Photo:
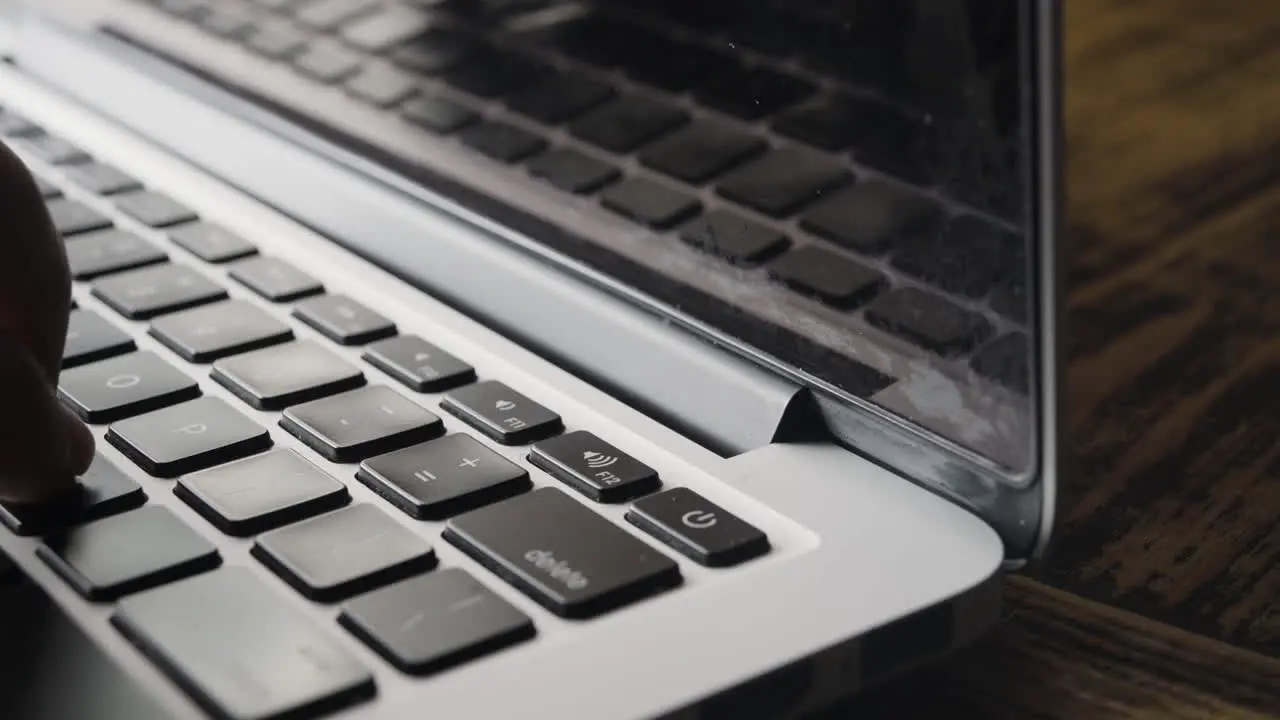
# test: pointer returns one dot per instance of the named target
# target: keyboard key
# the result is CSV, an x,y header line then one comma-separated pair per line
x,y
148,292
385,29
381,85
869,217
124,386
567,558
502,413
502,142
13,125
433,52
418,364
834,279
204,334
488,72
572,171
153,209
326,61
752,92
343,320
124,554
594,468
697,528
650,203
438,114
783,181
188,437
432,622
261,492
962,256
71,217
91,338
110,251
275,40
329,15
53,150
1009,298
101,179
276,377
701,151
559,97
734,238
677,66
344,553
1006,361
284,665
928,320
227,23
627,122
441,478
274,279
902,148
192,10
360,423
211,243
103,490
833,124
48,190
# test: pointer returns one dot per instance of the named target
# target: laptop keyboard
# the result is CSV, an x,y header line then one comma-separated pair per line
x,y
771,144
213,299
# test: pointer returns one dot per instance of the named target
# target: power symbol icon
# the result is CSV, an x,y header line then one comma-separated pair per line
x,y
698,519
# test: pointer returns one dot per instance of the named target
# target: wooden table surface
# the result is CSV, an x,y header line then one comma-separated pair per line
x,y
1161,598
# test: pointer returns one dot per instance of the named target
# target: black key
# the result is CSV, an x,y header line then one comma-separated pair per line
x,y
381,85
443,477
1007,361
567,558
153,209
91,338
734,238
677,66
294,668
419,364
204,334
928,320
559,97
1009,298
433,52
753,92
124,386
71,217
502,142
361,423
103,490
834,123
110,251
438,114
188,437
594,468
275,40
701,151
650,203
277,377
627,122
211,243
227,22
963,256
834,279
101,179
261,492
274,279
344,553
124,554
903,148
432,622
869,217
343,320
14,125
148,292
48,190
330,15
385,29
488,72
698,529
783,181
327,62
502,413
53,150
572,171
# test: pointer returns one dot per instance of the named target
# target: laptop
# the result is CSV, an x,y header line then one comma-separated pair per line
x,y
534,358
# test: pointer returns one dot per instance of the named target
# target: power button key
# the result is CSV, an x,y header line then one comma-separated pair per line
x,y
695,527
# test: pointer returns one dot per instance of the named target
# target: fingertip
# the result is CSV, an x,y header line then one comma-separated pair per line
x,y
79,442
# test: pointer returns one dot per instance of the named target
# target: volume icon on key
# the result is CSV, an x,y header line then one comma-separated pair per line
x,y
596,460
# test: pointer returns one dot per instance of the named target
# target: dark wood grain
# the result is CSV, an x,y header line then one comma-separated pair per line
x,y
1161,597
